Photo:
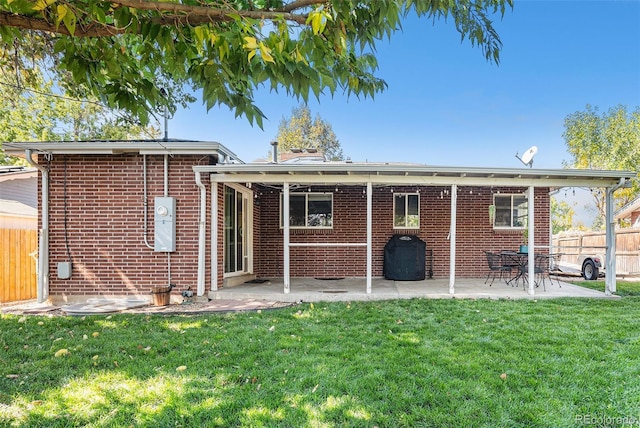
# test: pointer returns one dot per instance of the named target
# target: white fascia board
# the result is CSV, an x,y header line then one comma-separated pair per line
x,y
628,209
380,179
174,147
332,173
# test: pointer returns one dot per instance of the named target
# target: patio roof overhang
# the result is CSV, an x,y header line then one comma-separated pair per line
x,y
380,174
386,173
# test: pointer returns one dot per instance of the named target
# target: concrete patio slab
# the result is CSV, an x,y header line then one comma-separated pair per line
x,y
350,289
268,294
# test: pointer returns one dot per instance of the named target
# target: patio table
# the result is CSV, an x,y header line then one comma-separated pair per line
x,y
520,261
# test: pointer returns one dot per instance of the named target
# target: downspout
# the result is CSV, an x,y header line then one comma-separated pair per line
x,y
610,236
202,225
166,194
43,244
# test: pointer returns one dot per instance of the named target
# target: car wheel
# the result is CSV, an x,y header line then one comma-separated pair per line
x,y
589,270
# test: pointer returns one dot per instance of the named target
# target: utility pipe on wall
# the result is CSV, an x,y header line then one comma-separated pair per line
x,y
43,244
145,203
166,175
166,194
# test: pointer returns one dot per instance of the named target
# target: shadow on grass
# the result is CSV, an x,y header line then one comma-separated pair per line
x,y
395,363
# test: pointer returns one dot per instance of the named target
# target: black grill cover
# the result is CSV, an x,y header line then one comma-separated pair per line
x,y
404,258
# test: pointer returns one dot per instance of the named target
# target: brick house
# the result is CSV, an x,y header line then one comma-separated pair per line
x,y
118,218
18,197
630,212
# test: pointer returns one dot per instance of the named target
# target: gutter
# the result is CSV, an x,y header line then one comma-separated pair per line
x,y
202,225
43,243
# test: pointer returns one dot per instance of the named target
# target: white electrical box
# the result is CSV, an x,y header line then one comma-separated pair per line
x,y
165,224
64,270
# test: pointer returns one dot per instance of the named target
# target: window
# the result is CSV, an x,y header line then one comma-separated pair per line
x,y
406,210
309,210
511,211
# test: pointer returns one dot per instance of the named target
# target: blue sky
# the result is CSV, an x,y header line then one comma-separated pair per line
x,y
446,105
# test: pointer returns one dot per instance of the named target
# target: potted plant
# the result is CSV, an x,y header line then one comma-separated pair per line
x,y
524,247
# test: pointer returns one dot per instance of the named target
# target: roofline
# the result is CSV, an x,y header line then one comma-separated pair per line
x,y
143,147
628,209
383,173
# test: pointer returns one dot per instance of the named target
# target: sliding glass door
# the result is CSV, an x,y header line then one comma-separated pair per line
x,y
237,227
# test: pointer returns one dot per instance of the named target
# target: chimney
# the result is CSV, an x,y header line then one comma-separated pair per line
x,y
275,151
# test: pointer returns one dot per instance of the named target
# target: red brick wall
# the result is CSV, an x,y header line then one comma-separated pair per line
x,y
474,232
105,224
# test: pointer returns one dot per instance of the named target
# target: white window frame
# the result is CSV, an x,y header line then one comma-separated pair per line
x,y
306,213
406,210
512,208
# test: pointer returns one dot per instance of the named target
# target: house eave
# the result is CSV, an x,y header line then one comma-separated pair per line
x,y
378,173
628,209
143,147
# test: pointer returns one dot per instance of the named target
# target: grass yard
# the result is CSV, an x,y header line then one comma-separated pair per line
x,y
406,363
623,288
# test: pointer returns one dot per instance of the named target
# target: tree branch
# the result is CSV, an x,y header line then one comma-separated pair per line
x,y
8,19
175,14
203,14
300,4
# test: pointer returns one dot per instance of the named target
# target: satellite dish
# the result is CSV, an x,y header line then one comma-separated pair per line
x,y
527,157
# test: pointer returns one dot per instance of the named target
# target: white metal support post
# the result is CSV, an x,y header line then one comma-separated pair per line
x,y
214,236
286,237
202,232
452,238
610,237
369,229
531,274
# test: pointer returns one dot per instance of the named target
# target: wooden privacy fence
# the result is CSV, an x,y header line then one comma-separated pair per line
x,y
573,245
18,280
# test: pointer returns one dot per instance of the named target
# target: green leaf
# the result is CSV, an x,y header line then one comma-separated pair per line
x,y
61,10
42,4
265,52
250,43
70,21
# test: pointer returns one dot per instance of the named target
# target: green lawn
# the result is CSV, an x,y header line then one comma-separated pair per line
x,y
623,288
411,363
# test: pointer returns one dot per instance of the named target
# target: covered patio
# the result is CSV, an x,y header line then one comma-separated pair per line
x,y
353,289
371,177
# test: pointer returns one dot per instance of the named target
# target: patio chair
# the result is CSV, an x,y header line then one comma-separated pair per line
x,y
544,264
496,266
553,266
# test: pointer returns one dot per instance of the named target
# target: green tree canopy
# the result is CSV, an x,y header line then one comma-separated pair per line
x,y
607,140
40,114
300,131
561,216
138,55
